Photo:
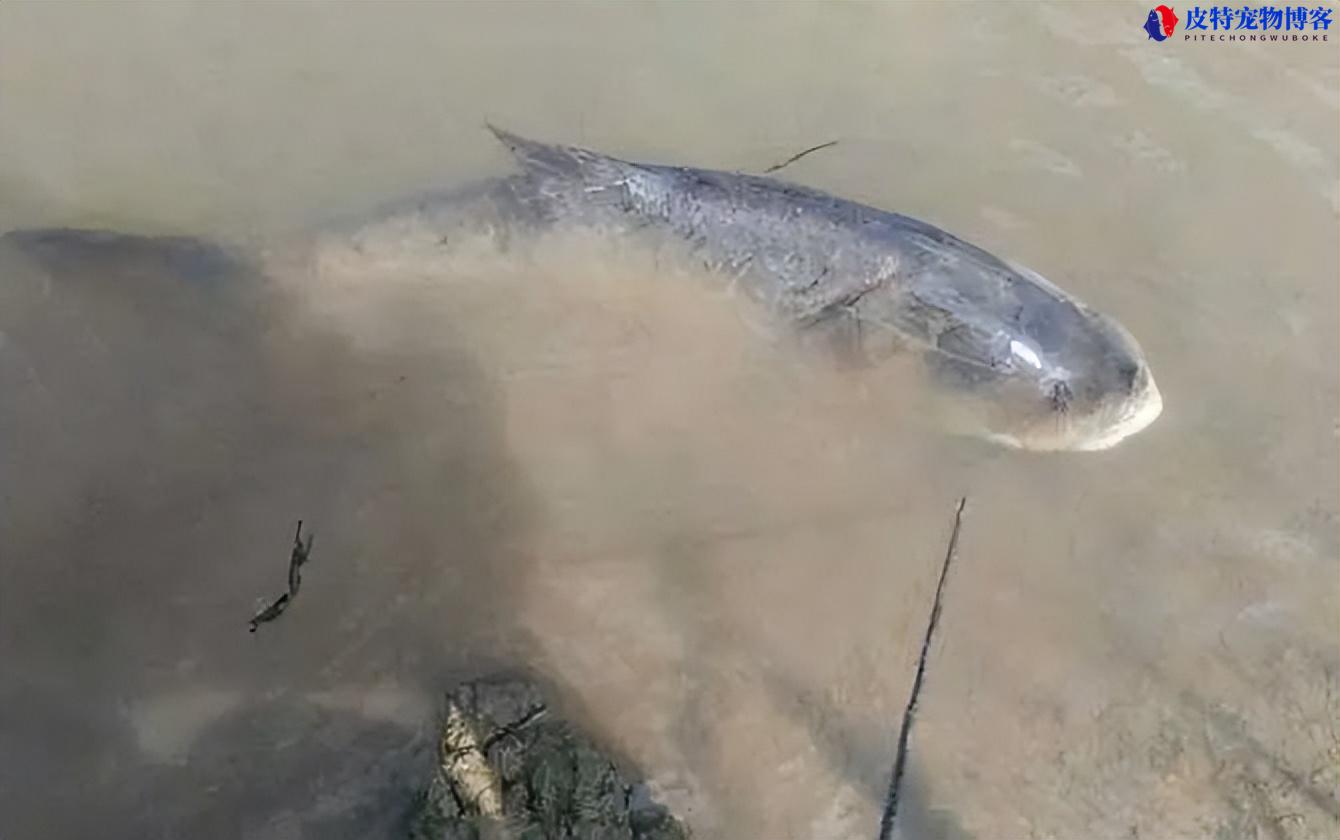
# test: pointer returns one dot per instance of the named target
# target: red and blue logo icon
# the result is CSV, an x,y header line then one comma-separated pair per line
x,y
1161,22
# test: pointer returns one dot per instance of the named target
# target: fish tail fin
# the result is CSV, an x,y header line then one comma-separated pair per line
x,y
565,162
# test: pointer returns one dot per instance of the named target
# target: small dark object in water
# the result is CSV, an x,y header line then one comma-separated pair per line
x,y
295,561
798,156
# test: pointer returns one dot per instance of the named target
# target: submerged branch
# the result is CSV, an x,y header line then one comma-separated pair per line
x,y
296,558
900,761
798,156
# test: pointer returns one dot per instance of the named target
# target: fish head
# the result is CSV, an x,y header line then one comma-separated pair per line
x,y
1043,371
1088,390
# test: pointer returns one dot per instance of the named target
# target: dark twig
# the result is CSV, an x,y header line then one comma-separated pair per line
x,y
900,761
296,558
798,156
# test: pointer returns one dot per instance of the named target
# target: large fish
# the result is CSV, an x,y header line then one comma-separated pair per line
x,y
1036,368
1051,373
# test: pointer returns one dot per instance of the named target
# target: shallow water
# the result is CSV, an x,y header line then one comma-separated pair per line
x,y
582,462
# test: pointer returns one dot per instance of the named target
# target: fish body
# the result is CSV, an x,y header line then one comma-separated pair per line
x,y
1055,374
1037,368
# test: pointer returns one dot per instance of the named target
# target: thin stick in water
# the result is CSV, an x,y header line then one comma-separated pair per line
x,y
900,761
798,156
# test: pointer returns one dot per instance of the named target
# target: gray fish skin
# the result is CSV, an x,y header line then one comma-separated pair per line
x,y
1059,375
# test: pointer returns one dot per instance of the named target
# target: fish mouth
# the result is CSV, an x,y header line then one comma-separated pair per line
x,y
1095,434
1136,416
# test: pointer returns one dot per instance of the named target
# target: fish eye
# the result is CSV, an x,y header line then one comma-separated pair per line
x,y
1060,396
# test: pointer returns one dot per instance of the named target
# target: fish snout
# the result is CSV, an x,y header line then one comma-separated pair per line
x,y
1124,415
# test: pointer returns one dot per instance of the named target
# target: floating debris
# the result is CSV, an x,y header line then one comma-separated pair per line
x,y
295,561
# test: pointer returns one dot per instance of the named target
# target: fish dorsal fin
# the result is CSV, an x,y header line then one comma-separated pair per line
x,y
565,162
